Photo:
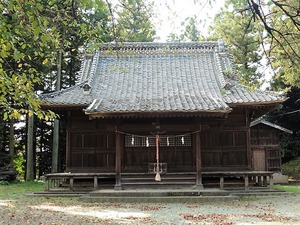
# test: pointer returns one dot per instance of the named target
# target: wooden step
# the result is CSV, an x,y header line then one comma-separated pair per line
x,y
142,181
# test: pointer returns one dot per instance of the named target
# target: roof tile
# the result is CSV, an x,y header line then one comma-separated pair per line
x,y
149,77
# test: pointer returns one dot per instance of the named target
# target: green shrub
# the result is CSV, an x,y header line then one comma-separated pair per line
x,y
4,182
292,168
19,163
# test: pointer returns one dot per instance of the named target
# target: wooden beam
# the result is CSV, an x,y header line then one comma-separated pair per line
x,y
118,185
248,139
68,145
199,184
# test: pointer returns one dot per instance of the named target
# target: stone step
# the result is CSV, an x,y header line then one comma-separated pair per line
x,y
153,182
157,185
158,193
261,193
59,193
157,199
144,181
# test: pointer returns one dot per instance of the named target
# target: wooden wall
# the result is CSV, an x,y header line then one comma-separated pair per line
x,y
265,147
90,144
224,142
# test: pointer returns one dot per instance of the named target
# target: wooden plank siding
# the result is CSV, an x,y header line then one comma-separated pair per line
x,y
223,143
267,139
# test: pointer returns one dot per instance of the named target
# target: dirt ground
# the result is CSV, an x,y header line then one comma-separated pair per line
x,y
67,211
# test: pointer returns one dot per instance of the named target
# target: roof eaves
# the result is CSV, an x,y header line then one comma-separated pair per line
x,y
263,121
63,106
206,113
261,103
57,93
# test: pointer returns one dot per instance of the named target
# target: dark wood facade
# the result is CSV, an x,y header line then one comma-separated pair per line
x,y
166,103
222,142
265,147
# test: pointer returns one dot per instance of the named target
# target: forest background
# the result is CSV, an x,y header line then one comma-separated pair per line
x,y
42,42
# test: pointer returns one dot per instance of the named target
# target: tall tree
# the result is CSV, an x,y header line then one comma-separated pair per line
x,y
80,24
134,21
288,116
242,37
31,33
280,22
284,41
23,40
189,33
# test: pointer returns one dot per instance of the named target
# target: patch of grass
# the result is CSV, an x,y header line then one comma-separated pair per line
x,y
292,168
288,188
16,192
16,189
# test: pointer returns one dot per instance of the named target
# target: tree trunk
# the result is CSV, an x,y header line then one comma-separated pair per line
x,y
54,166
30,151
11,141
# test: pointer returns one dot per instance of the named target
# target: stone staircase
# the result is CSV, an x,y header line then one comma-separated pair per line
x,y
168,181
158,196
173,188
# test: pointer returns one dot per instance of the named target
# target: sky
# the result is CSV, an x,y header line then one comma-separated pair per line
x,y
171,13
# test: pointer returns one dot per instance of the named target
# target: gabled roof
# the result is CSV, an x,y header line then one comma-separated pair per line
x,y
265,122
160,78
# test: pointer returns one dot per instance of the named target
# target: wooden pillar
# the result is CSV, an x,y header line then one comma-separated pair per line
x,y
68,146
248,140
246,178
221,182
199,184
47,188
95,182
71,183
119,147
271,182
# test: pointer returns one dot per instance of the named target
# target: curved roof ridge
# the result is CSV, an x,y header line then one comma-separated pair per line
x,y
145,45
93,67
84,71
220,78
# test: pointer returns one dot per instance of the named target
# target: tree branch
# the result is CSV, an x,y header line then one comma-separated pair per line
x,y
258,12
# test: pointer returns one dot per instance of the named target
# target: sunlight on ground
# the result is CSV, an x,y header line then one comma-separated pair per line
x,y
103,214
3,203
6,203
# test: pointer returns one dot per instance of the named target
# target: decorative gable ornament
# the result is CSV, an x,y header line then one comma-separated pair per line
x,y
86,88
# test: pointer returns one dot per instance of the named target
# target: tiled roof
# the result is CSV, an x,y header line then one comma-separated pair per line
x,y
265,122
157,77
238,93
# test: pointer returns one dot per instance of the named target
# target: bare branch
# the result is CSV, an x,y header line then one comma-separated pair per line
x,y
258,12
113,21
